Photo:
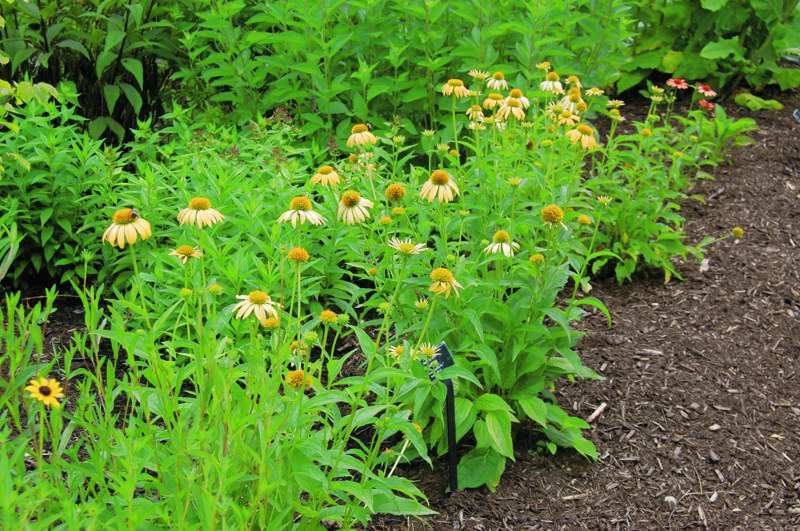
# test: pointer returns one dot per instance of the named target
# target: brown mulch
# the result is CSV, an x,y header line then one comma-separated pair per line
x,y
702,423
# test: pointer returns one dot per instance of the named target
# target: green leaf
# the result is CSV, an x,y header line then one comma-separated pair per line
x,y
723,48
74,45
480,466
713,5
491,402
134,66
787,78
535,408
498,426
671,61
754,103
111,94
133,96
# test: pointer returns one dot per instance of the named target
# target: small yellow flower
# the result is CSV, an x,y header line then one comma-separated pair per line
x,y
326,176
184,252
46,391
552,214
353,208
360,135
502,243
428,133
478,75
328,317
551,83
737,233
515,181
604,200
455,87
647,132
440,187
372,271
615,104
594,91
257,303
583,219
298,254
567,118
126,226
544,65
185,293
511,107
395,192
537,258
297,379
616,115
475,112
215,289
575,81
301,209
271,323
494,99
407,246
398,211
396,351
199,213
453,153
497,81
443,282
583,134
427,350
385,220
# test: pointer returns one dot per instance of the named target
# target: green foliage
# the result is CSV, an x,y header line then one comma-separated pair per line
x,y
754,103
728,41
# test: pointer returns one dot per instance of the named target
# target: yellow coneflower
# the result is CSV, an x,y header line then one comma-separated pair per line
x,y
604,200
298,254
271,322
567,118
199,213
184,252
475,112
456,88
215,289
425,349
615,104
737,232
616,115
552,84
353,208
518,95
453,153
536,258
258,303
396,351
646,132
395,192
594,91
500,124
552,214
516,181
421,304
476,126
544,65
497,81
326,176
513,107
439,186
583,134
126,226
328,317
385,220
301,209
581,106
407,246
46,391
501,243
428,133
360,135
443,282
583,219
571,101
352,158
398,211
185,293
574,81
298,379
478,75
494,99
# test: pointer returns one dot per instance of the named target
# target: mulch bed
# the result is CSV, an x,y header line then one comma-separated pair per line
x,y
702,423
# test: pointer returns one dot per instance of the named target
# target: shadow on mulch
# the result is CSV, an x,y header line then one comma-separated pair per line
x,y
702,425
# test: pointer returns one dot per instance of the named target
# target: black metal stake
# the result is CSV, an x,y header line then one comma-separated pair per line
x,y
450,406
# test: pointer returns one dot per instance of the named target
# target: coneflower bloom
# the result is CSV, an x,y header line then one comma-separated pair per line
x,y
326,176
46,391
298,254
353,208
552,214
706,90
439,186
301,209
199,213
396,351
126,226
574,81
455,87
552,84
677,83
407,246
571,101
497,81
494,99
443,282
583,134
594,91
567,118
501,243
257,303
517,94
536,258
360,135
707,105
395,192
476,126
184,252
427,350
475,113
478,75
583,219
271,323
511,107
615,104
298,378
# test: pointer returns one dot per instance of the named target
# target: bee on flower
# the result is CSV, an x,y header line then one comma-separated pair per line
x,y
497,81
126,227
677,83
478,75
199,213
184,252
353,208
552,84
301,210
360,135
583,134
475,112
456,88
444,282
502,243
407,246
258,303
46,390
439,186
326,176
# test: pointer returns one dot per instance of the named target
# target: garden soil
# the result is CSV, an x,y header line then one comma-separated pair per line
x,y
701,423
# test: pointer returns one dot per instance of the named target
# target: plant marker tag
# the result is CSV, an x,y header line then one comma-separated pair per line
x,y
435,365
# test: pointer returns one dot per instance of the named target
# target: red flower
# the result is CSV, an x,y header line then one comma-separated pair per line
x,y
706,90
677,83
707,105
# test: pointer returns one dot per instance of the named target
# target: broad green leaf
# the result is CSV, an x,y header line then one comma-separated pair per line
x,y
498,425
134,66
480,466
723,48
713,5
